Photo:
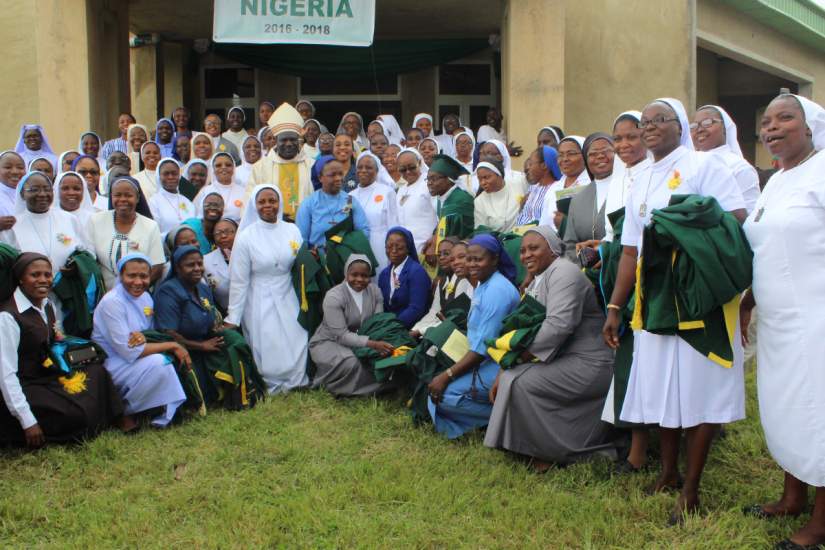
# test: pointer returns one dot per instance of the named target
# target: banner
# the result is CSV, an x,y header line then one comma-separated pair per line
x,y
323,22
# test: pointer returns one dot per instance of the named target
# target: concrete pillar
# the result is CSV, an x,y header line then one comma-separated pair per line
x,y
143,71
533,72
172,76
56,57
618,60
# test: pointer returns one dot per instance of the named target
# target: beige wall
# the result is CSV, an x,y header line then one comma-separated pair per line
x,y
143,70
46,63
20,94
621,54
533,69
728,32
108,35
172,54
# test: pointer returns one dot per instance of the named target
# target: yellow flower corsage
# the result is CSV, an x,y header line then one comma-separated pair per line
x,y
205,302
675,181
64,239
295,247
148,311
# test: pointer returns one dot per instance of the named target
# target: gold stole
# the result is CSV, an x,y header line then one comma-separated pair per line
x,y
288,182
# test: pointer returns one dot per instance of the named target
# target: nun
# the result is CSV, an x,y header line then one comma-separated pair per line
x,y
235,119
261,295
41,227
148,178
169,208
416,210
346,307
585,219
714,131
33,143
352,124
571,163
671,384
785,231
164,136
72,196
144,376
378,201
549,407
459,397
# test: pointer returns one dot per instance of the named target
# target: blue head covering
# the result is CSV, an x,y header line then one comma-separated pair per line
x,y
178,255
317,168
130,257
81,157
491,244
551,160
142,205
412,253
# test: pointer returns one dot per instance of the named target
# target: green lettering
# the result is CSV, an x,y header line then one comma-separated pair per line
x,y
250,6
316,8
298,8
278,7
344,9
329,8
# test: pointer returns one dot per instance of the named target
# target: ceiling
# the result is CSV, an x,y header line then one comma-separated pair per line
x,y
190,19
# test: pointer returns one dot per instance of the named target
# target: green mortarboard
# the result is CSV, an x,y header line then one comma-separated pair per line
x,y
447,166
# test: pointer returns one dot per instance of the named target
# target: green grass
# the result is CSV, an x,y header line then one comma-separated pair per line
x,y
307,470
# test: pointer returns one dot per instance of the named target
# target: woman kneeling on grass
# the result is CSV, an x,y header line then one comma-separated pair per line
x,y
549,406
459,399
346,306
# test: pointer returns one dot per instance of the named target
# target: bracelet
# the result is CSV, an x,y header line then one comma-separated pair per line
x,y
449,372
614,306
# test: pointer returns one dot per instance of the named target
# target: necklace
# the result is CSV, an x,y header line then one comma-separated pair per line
x,y
178,208
117,239
643,206
764,197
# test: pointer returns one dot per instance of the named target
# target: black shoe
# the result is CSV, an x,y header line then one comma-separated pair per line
x,y
757,511
788,544
623,467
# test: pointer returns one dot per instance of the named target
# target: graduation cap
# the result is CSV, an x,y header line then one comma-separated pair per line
x,y
447,166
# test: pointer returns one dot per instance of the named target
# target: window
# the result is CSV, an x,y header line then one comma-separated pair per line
x,y
334,97
466,89
225,86
221,83
464,79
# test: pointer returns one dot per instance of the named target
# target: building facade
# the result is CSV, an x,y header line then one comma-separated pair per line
x,y
73,65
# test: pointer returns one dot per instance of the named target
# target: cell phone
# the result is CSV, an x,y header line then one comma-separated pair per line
x,y
588,257
81,355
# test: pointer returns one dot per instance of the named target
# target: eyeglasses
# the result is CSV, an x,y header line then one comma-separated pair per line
x,y
705,123
224,233
89,172
596,153
569,155
655,121
36,190
405,169
432,178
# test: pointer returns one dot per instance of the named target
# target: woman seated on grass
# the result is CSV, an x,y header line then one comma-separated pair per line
x,y
41,403
186,311
346,306
459,397
549,406
141,372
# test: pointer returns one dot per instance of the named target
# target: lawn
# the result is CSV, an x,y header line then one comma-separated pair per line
x,y
307,470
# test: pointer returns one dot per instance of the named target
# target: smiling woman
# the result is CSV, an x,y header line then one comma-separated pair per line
x,y
261,295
